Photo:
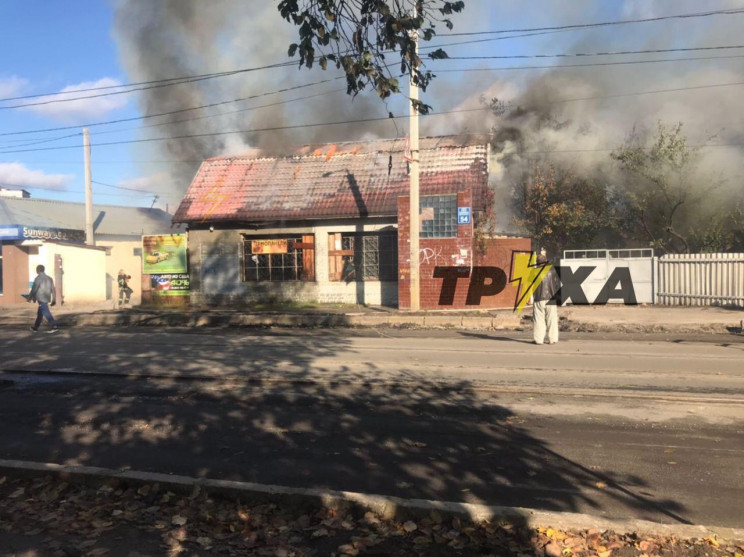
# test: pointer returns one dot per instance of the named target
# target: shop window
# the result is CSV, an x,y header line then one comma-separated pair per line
x,y
279,258
438,216
363,256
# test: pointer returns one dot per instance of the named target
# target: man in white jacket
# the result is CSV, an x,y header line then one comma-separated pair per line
x,y
44,293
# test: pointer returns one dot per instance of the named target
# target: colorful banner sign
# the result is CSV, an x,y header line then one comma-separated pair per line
x,y
164,254
261,247
170,285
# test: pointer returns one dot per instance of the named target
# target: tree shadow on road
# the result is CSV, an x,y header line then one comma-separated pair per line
x,y
273,414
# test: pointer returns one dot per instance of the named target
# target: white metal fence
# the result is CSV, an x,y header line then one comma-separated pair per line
x,y
701,279
639,262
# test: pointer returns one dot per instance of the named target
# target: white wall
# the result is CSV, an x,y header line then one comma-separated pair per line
x,y
84,270
122,249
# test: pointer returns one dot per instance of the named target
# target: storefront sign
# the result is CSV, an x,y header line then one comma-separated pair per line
x,y
170,285
21,232
268,246
164,254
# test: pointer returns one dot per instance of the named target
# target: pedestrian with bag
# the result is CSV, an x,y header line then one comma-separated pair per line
x,y
44,294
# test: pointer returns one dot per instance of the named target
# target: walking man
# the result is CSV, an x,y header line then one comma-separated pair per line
x,y
44,293
544,308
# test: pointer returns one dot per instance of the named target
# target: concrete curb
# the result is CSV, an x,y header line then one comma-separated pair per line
x,y
385,506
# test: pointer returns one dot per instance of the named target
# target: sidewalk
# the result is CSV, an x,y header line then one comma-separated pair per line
x,y
610,318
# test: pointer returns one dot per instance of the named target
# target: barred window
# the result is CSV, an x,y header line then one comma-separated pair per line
x,y
363,256
279,258
438,216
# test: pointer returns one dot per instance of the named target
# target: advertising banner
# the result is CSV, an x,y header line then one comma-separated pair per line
x,y
170,285
164,254
268,246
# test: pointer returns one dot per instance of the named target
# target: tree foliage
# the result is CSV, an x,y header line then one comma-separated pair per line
x,y
561,210
667,196
358,36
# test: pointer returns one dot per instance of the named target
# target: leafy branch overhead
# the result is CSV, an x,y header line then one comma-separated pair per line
x,y
358,36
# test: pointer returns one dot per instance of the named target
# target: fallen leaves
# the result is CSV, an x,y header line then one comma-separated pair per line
x,y
198,523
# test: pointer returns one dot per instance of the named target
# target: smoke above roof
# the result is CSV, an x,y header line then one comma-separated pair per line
x,y
571,115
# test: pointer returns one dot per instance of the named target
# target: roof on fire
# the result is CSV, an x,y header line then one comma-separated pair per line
x,y
342,180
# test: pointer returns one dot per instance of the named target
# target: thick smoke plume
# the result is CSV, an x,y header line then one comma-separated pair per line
x,y
573,117
171,38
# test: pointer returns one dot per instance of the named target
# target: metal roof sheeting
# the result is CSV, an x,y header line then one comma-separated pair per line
x,y
339,180
111,220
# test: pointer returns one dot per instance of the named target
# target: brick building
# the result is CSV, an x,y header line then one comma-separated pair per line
x,y
329,224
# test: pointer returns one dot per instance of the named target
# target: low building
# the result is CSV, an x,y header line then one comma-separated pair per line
x,y
52,233
329,224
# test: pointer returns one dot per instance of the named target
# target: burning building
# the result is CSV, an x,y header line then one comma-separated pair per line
x,y
330,224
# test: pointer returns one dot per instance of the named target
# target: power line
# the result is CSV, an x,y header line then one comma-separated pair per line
x,y
287,89
592,65
531,31
144,85
602,23
557,101
255,130
580,54
178,111
122,187
132,90
44,140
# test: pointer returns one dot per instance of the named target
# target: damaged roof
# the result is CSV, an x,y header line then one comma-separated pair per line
x,y
342,180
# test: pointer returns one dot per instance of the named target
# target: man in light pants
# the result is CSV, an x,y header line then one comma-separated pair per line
x,y
544,309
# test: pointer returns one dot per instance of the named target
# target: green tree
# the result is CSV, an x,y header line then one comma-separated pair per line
x,y
357,35
668,200
561,210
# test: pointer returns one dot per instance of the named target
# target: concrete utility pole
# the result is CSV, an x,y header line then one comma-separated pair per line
x,y
414,217
89,238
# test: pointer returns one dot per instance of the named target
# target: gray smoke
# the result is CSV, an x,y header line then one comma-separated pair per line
x,y
167,38
547,123
170,38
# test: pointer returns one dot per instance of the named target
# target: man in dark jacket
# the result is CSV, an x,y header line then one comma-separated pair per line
x,y
544,310
44,293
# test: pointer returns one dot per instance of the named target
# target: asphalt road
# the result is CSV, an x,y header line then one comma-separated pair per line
x,y
643,427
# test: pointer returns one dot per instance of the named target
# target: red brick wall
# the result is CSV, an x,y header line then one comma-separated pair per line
x,y
455,256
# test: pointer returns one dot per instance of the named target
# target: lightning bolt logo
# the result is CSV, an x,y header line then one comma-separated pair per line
x,y
528,273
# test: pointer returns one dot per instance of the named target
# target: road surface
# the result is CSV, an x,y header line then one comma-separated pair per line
x,y
645,427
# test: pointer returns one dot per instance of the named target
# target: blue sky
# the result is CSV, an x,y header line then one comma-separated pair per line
x,y
49,46
46,47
